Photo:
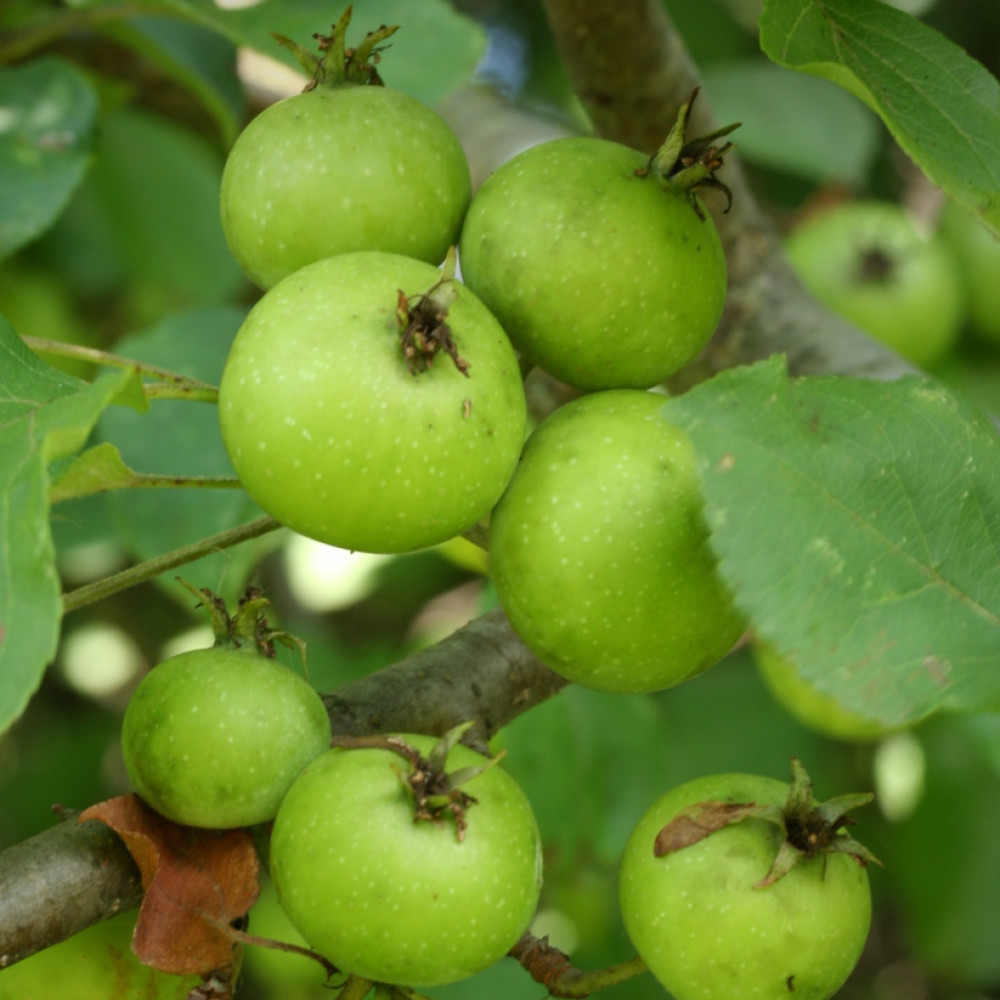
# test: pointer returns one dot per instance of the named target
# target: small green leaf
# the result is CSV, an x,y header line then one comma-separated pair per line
x,y
44,415
96,470
47,113
858,523
942,107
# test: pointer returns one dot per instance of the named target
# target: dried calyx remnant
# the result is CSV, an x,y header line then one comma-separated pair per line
x,y
247,628
809,828
423,323
688,164
437,793
338,63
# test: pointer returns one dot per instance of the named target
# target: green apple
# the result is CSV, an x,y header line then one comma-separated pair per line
x,y
978,253
710,930
96,964
871,263
599,551
810,706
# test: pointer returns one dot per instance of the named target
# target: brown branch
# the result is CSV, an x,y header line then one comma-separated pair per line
x,y
482,672
73,875
59,882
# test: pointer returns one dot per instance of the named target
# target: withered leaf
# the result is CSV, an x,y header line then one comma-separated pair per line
x,y
696,822
195,883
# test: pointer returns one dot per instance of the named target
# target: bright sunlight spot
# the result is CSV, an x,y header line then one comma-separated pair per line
x,y
262,73
99,659
558,927
899,775
325,578
199,637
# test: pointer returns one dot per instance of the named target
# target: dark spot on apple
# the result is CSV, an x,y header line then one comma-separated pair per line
x,y
876,267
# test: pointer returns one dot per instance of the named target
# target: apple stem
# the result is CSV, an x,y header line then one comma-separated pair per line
x,y
554,970
245,938
355,988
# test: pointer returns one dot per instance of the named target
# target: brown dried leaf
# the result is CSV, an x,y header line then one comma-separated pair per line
x,y
196,882
696,822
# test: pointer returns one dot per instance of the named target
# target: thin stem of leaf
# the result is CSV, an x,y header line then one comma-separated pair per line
x,y
117,582
195,393
58,347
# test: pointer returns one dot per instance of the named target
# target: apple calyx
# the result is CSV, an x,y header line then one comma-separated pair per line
x,y
688,164
247,629
437,794
338,64
422,323
809,828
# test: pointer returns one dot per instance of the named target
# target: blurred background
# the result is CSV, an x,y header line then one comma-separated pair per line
x,y
136,264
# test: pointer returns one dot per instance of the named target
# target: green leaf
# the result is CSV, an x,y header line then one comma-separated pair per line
x,y
858,523
200,60
101,468
181,438
44,415
800,125
158,185
942,107
434,52
47,113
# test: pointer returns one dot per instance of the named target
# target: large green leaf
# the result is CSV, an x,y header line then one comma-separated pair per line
x,y
811,129
44,415
46,123
201,61
158,186
942,107
858,523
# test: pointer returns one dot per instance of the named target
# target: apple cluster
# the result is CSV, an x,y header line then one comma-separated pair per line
x,y
373,400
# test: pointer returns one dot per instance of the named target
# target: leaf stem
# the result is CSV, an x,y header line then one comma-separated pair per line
x,y
117,582
164,375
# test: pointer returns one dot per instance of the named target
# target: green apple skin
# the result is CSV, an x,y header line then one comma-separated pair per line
x,y
868,262
215,737
707,934
978,253
599,551
810,706
603,278
96,964
335,170
334,436
402,901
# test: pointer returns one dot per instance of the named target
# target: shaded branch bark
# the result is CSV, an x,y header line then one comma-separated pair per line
x,y
482,672
59,882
